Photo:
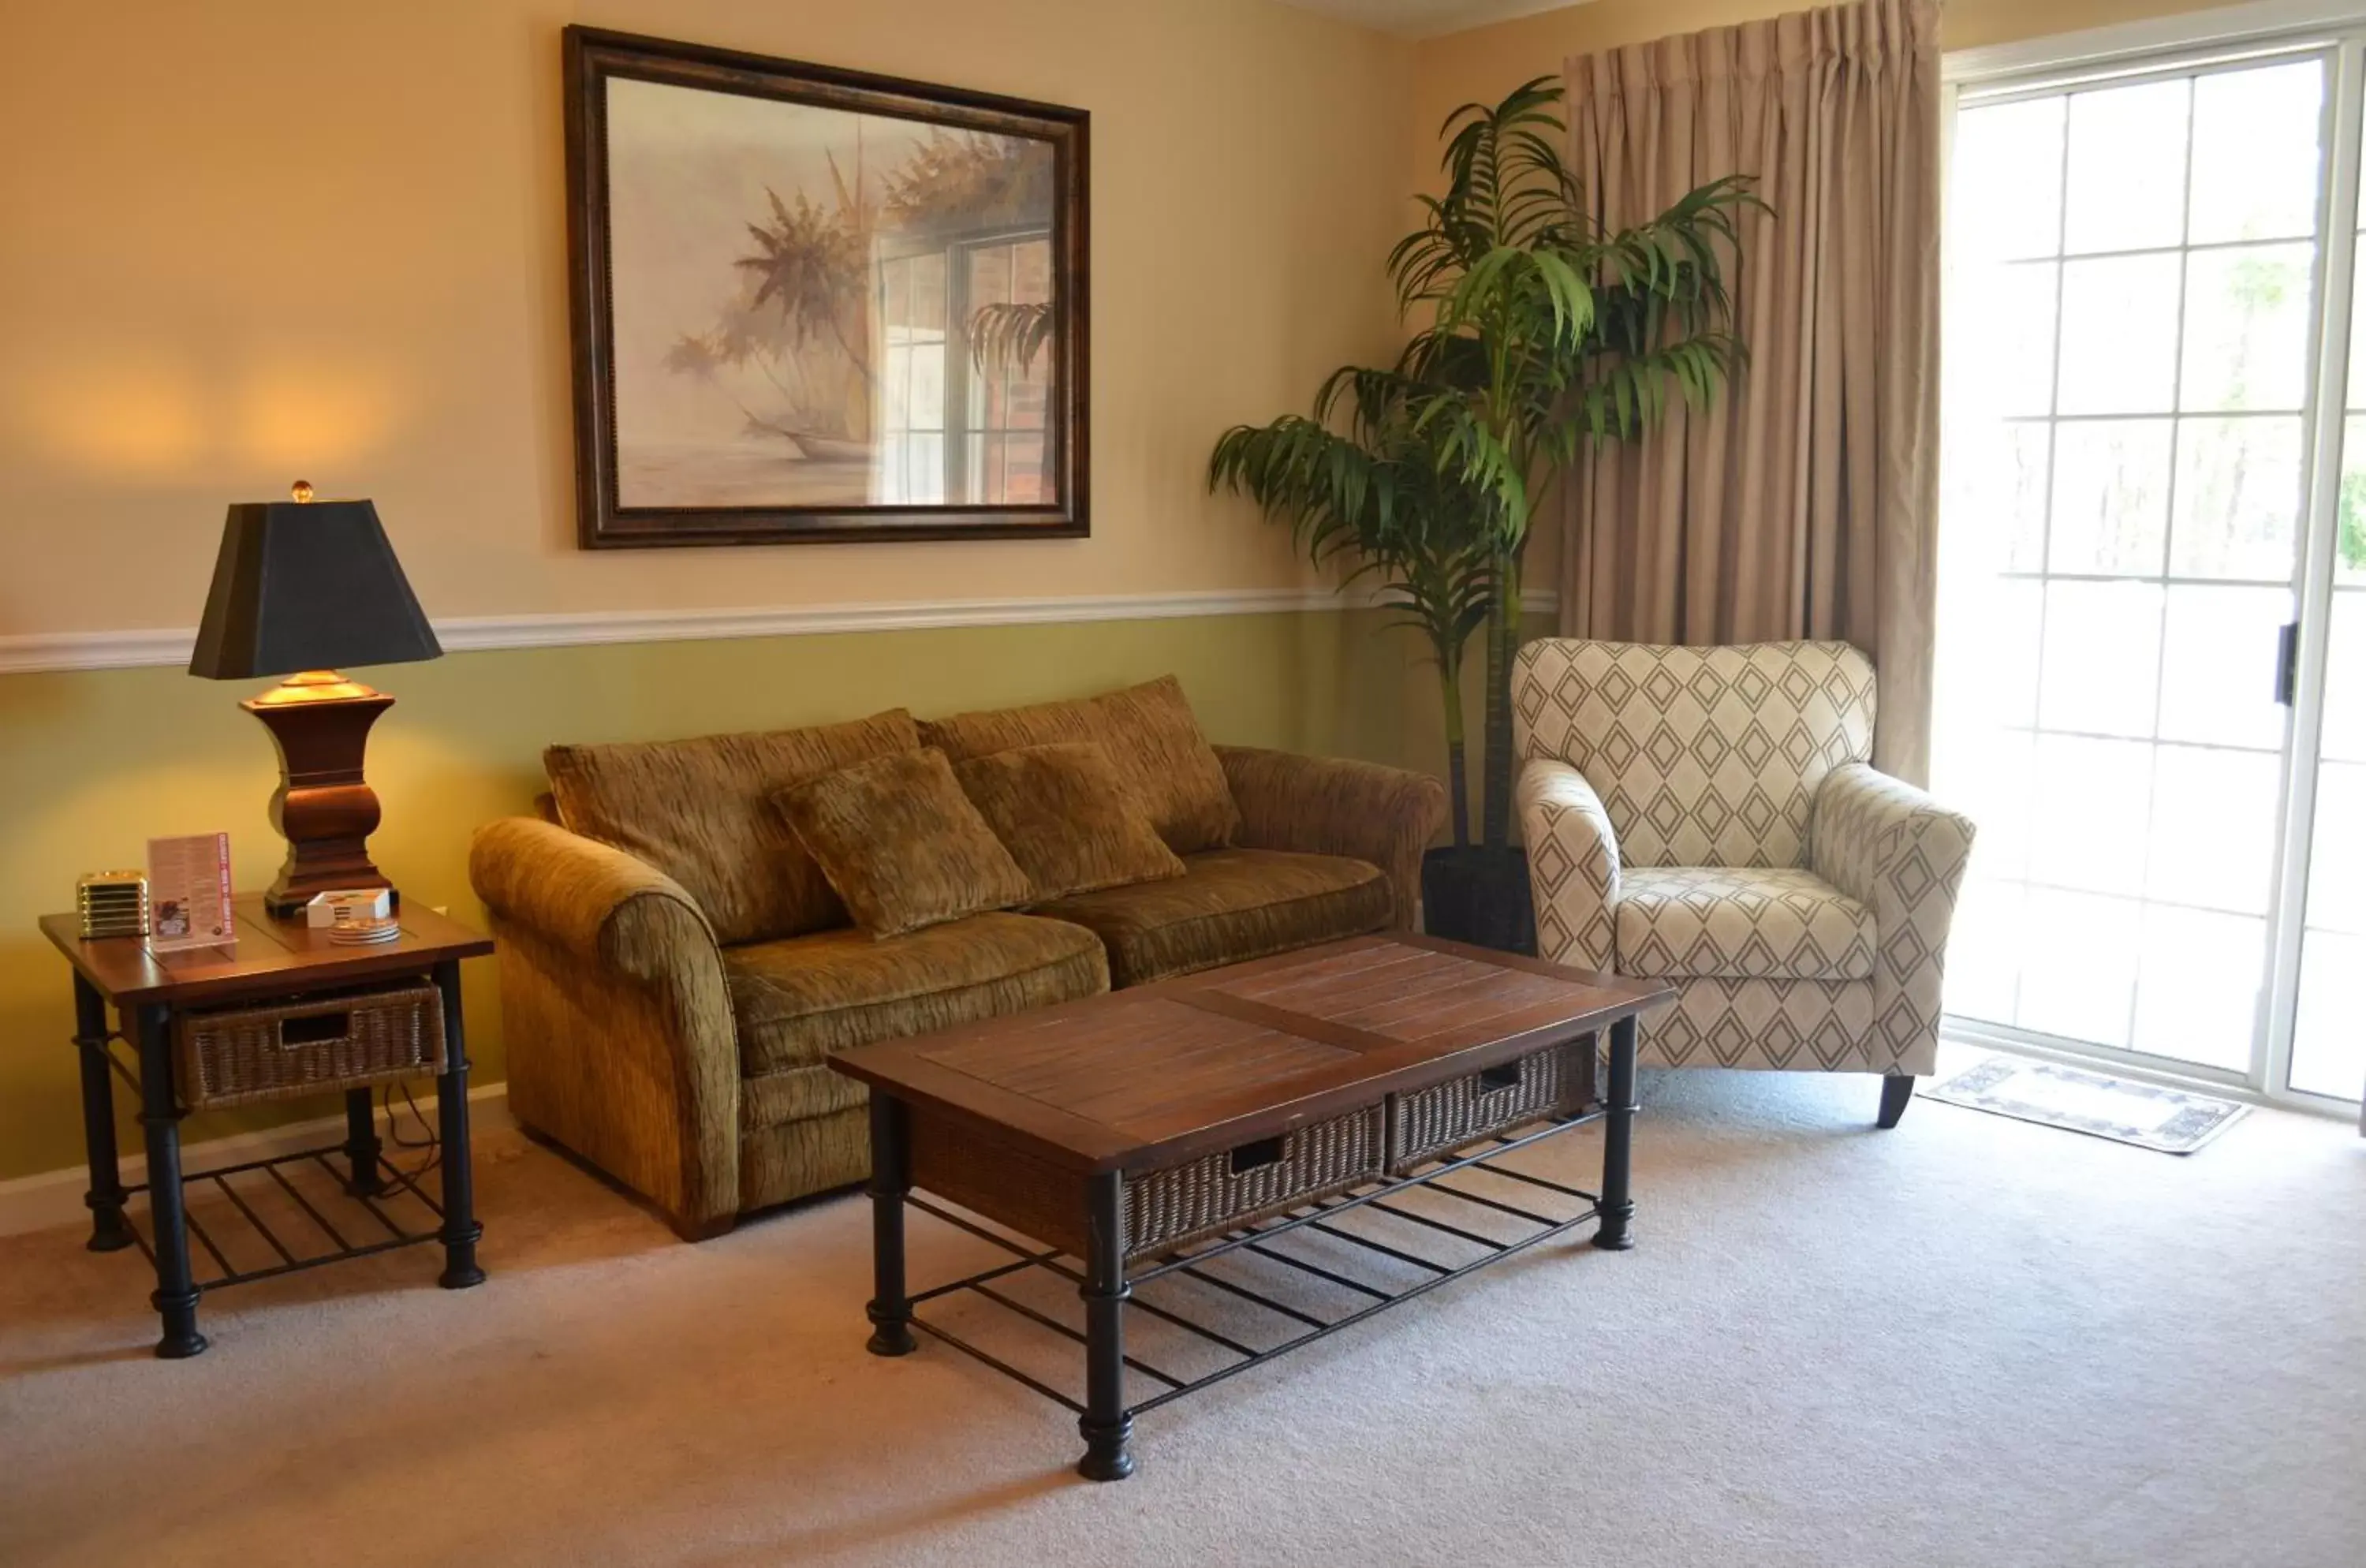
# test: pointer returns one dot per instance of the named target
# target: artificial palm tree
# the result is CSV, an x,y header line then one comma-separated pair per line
x,y
1537,331
1378,498
1547,331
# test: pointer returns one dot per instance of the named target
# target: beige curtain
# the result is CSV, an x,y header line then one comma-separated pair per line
x,y
1805,503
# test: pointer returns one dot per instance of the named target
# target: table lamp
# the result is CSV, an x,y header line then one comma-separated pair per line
x,y
301,588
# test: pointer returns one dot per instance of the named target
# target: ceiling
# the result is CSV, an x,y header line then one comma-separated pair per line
x,y
1427,18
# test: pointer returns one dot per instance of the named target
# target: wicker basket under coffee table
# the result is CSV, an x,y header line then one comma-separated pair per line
x,y
1149,1130
285,1013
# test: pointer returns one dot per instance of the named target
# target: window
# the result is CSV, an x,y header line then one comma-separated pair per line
x,y
962,417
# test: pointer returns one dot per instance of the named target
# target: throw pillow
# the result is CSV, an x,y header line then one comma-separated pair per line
x,y
901,844
702,812
1153,741
1065,817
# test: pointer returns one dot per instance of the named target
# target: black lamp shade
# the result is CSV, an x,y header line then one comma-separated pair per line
x,y
306,585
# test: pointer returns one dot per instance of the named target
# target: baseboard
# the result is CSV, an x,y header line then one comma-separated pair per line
x,y
51,1198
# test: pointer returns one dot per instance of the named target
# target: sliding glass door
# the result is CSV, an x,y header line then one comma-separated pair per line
x,y
2145,499
2329,1049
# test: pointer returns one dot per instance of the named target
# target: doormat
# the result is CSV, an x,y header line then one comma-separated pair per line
x,y
2168,1119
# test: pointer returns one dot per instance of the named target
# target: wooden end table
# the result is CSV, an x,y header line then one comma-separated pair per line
x,y
272,959
1149,1132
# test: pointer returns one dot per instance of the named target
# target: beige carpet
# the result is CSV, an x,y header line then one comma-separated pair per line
x,y
1970,1341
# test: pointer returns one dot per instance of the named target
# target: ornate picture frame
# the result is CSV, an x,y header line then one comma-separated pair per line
x,y
816,305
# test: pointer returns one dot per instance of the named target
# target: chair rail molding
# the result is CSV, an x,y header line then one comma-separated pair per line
x,y
29,653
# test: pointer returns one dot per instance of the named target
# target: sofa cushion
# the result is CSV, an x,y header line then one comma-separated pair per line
x,y
795,1094
702,812
1065,817
1227,907
901,844
1740,923
1153,741
797,1000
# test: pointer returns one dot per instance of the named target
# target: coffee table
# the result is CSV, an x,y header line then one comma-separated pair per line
x,y
1149,1131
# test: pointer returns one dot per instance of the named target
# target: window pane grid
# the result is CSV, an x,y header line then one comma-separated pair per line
x,y
2169,577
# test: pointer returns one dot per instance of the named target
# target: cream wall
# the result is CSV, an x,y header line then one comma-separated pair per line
x,y
249,240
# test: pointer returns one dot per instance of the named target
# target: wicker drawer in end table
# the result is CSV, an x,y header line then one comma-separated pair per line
x,y
1148,1131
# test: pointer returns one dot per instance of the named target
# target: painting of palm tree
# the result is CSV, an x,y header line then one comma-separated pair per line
x,y
808,318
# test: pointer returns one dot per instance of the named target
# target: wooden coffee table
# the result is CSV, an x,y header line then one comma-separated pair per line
x,y
1149,1131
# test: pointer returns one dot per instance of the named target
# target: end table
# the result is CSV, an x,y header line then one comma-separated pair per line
x,y
273,959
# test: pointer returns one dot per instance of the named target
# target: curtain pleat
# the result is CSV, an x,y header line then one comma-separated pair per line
x,y
1805,503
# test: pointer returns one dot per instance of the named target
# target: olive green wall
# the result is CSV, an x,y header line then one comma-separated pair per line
x,y
96,761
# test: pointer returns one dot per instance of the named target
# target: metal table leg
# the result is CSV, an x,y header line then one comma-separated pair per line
x,y
1618,1142
105,1197
461,1230
1107,1423
362,1145
175,1299
891,1178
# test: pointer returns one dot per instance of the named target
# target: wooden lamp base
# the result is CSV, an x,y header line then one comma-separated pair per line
x,y
324,808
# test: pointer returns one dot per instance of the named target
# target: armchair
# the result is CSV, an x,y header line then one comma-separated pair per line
x,y
1706,816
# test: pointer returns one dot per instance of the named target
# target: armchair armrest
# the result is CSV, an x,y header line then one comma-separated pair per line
x,y
615,1019
1572,865
1334,807
1893,849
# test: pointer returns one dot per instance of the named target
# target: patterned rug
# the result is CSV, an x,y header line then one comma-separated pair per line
x,y
2168,1119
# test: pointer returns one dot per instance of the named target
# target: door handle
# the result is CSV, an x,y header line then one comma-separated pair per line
x,y
2287,662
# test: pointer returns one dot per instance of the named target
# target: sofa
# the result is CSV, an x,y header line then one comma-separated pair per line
x,y
676,971
1709,817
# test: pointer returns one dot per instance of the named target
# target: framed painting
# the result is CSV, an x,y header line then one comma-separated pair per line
x,y
811,304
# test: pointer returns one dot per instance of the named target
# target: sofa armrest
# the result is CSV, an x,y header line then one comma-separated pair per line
x,y
615,1017
1336,807
1572,865
599,902
1900,853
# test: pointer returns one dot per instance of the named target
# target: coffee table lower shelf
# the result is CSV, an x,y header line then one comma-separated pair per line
x,y
1535,1227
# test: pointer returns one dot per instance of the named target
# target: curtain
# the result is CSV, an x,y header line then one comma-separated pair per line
x,y
1805,503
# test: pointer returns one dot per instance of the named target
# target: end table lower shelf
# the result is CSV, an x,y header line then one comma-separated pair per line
x,y
374,1218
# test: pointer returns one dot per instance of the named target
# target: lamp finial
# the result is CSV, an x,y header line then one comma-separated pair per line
x,y
302,491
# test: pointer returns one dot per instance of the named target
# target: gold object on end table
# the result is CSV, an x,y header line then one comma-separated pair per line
x,y
112,903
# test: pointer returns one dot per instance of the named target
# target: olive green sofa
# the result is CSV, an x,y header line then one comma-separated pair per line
x,y
675,972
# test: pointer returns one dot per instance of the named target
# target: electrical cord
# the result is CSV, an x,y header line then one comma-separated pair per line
x,y
407,1180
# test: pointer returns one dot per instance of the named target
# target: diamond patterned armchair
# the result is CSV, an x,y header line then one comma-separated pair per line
x,y
1706,816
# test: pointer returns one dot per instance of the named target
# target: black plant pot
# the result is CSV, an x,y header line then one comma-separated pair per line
x,y
1479,896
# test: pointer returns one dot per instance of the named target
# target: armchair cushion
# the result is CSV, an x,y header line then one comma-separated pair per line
x,y
702,812
797,1000
1229,905
1152,739
1740,923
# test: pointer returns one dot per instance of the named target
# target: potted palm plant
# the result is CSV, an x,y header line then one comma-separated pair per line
x,y
1537,331
1364,485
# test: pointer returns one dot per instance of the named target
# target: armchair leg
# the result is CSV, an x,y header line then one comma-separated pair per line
x,y
1896,1089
